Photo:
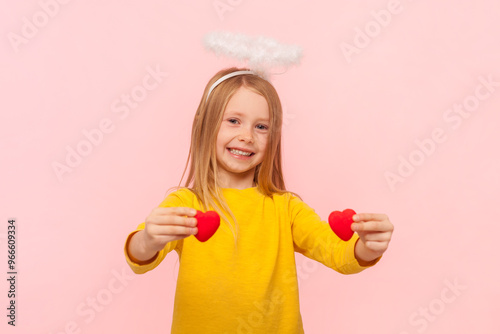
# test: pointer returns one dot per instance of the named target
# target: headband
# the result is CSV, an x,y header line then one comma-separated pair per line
x,y
227,76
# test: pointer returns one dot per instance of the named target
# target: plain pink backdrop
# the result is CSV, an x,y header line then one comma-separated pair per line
x,y
350,119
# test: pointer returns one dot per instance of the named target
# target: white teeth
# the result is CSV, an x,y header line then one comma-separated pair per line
x,y
239,152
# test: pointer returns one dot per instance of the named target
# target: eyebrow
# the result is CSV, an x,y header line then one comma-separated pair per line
x,y
237,113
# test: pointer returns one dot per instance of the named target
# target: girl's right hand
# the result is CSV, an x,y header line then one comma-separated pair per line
x,y
167,224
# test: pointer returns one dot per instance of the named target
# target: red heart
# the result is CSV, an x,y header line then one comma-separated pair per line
x,y
208,223
340,222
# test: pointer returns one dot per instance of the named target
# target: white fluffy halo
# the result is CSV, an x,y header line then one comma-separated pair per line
x,y
262,54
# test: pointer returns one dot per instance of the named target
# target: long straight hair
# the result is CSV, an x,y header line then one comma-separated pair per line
x,y
203,176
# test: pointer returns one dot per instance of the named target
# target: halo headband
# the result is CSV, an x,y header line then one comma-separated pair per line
x,y
227,76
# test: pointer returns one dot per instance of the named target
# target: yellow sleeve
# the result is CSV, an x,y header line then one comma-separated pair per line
x,y
315,239
138,267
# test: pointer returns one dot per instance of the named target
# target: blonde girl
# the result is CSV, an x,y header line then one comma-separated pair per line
x,y
243,279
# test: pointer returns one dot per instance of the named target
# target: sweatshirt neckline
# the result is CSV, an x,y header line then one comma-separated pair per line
x,y
236,189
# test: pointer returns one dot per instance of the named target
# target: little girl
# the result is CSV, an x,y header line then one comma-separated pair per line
x,y
243,279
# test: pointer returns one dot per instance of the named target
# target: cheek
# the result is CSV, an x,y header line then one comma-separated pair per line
x,y
263,142
221,140
224,134
221,136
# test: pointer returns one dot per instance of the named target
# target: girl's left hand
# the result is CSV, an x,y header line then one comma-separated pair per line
x,y
375,232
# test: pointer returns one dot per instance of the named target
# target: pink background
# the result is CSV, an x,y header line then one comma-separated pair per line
x,y
349,121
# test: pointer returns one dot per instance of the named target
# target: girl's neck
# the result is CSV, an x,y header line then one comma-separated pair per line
x,y
240,187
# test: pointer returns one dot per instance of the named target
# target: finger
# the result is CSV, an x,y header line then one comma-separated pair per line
x,y
371,226
174,230
369,216
375,236
174,220
377,246
177,210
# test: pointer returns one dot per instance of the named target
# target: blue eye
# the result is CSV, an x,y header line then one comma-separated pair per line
x,y
263,127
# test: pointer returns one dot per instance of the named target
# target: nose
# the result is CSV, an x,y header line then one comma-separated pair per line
x,y
246,135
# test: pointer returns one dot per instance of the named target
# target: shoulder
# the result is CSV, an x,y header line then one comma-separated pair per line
x,y
290,200
288,196
296,210
178,197
296,206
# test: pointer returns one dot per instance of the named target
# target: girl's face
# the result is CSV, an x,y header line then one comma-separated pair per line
x,y
244,126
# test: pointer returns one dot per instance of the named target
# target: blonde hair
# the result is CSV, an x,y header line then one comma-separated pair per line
x,y
203,172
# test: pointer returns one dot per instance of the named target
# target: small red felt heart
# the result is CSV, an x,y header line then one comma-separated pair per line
x,y
208,223
340,222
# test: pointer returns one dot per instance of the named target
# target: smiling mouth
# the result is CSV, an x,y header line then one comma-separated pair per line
x,y
236,152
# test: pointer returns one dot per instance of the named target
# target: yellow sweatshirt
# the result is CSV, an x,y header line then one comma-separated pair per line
x,y
251,288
